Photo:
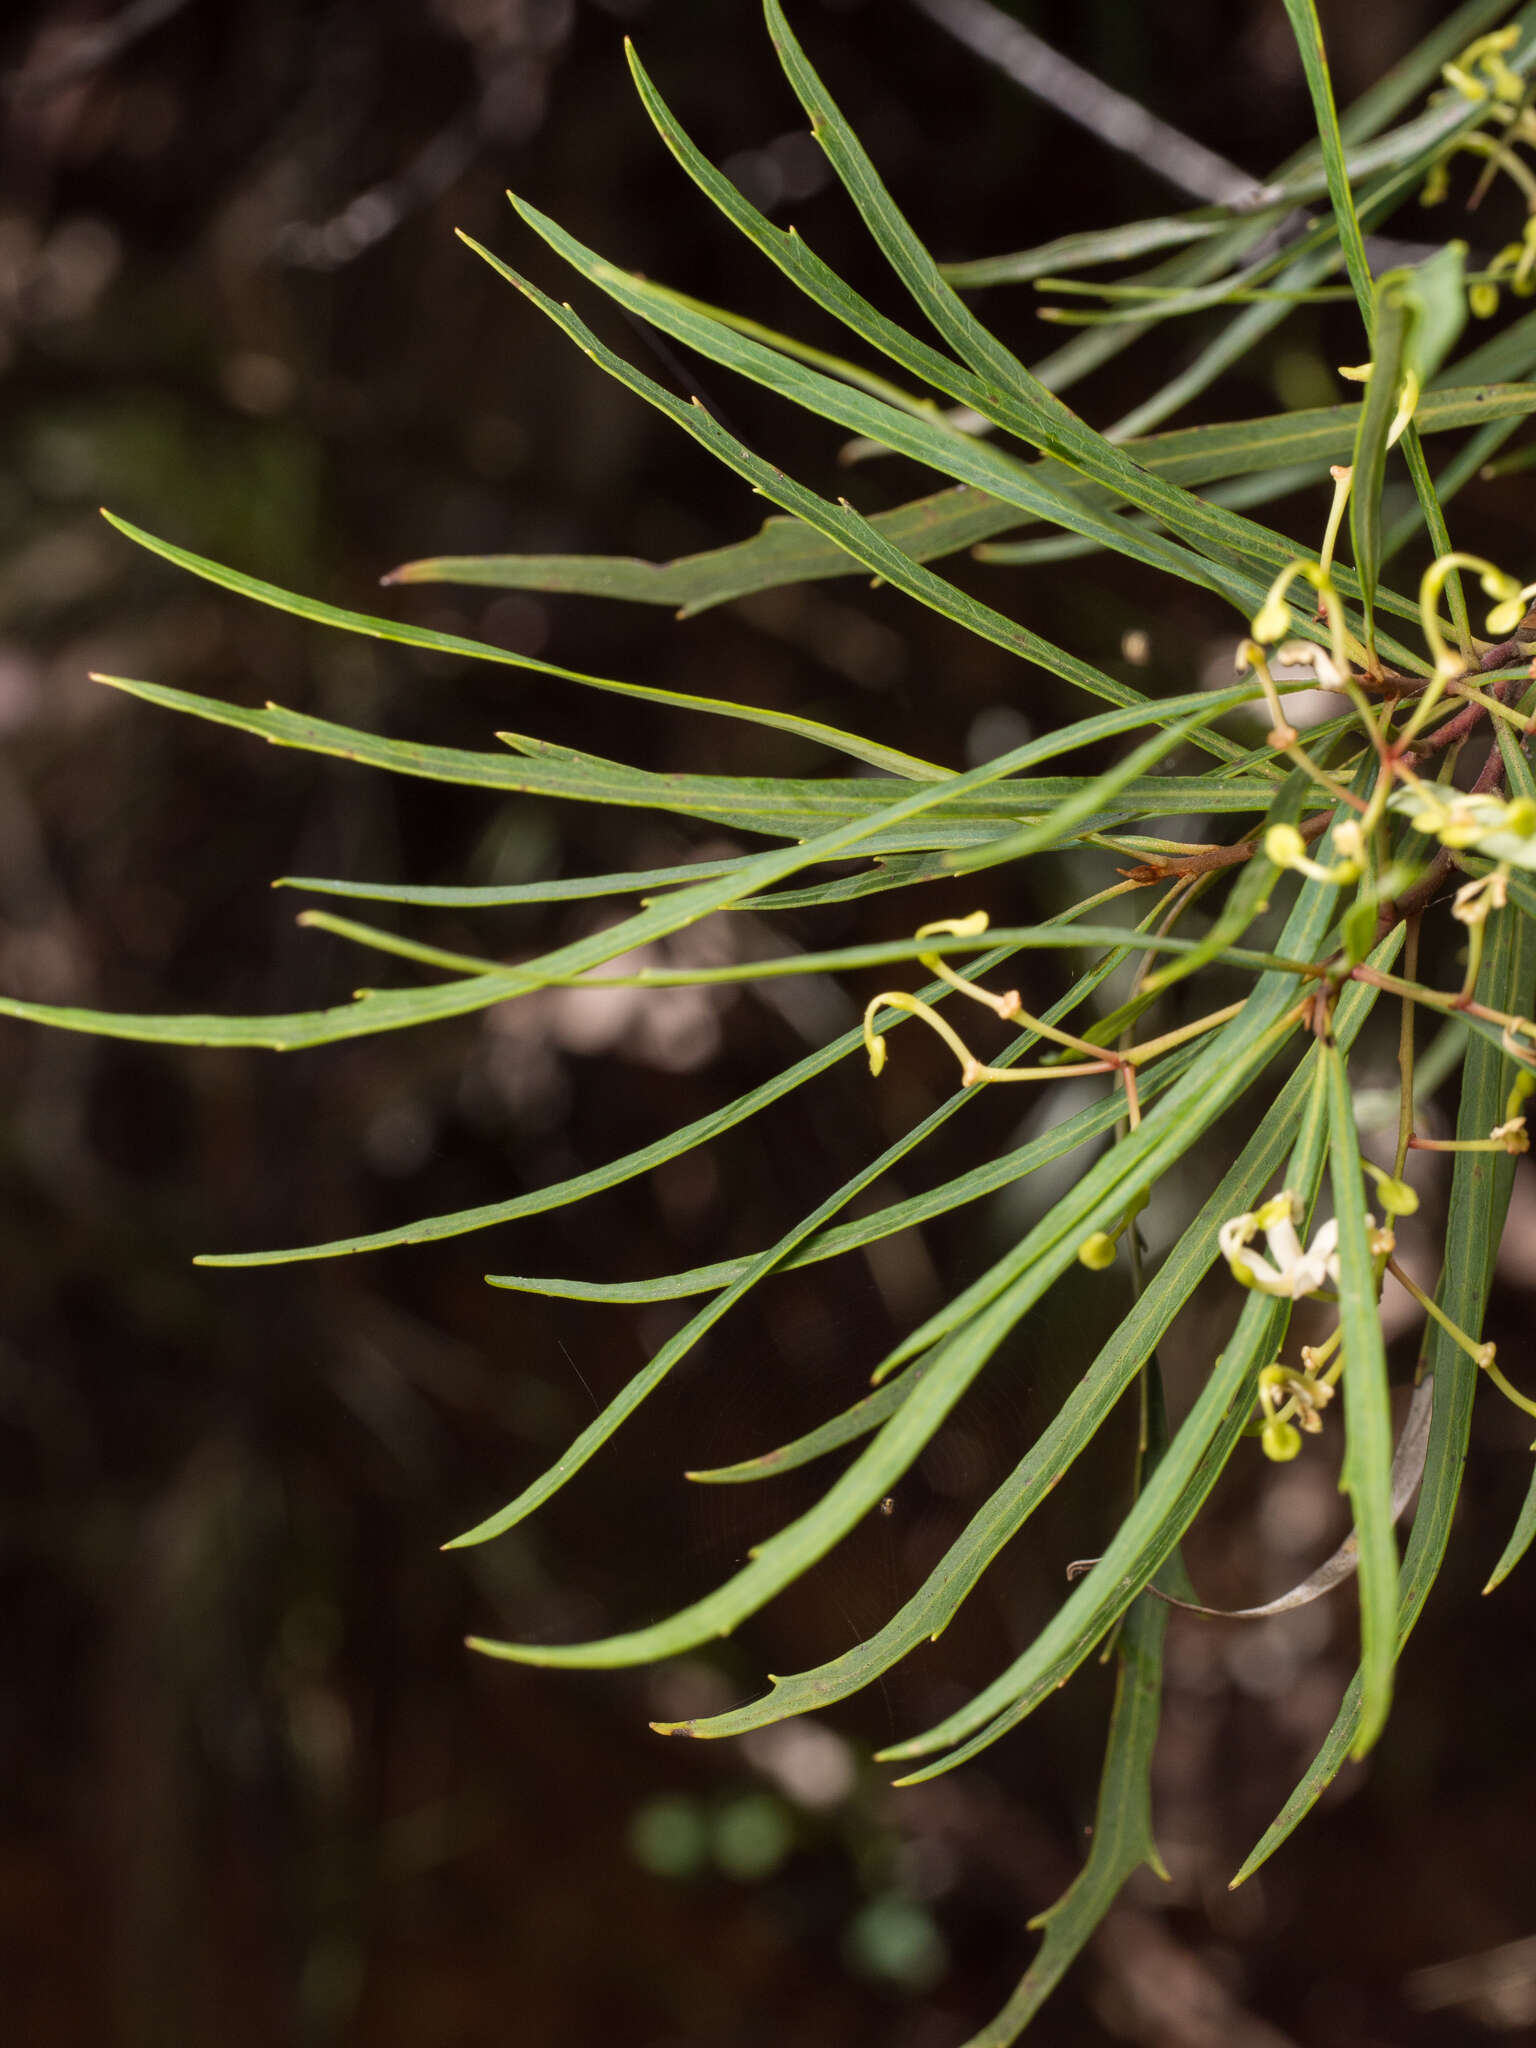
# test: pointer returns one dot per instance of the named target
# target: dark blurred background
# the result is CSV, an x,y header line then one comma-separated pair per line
x,y
254,1789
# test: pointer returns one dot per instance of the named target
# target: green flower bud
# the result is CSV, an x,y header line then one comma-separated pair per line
x,y
1280,1441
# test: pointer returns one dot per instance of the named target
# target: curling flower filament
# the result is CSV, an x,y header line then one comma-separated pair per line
x,y
1290,1270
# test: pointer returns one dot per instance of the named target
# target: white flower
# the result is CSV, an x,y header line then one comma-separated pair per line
x,y
1294,1272
1499,828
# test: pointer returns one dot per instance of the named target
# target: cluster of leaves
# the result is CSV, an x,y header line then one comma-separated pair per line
x,y
1370,792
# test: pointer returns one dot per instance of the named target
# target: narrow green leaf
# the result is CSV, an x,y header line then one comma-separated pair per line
x,y
370,1010
780,806
752,1271
1074,812
1062,1139
1308,32
560,1194
1041,423
1396,314
1221,535
565,889
1403,154
866,1414
405,635
1098,245
785,1556
1367,1474
1147,1537
1519,1543
785,550
1149,1533
782,551
1002,389
1235,1054
1121,1841
377,1010
1094,1395
1479,1201
844,960
956,455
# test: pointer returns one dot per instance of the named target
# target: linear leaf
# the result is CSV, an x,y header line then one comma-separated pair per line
x,y
784,806
1235,1054
785,1556
1094,1121
753,1270
1367,1474
867,1413
1009,394
1098,245
1154,1524
1407,150
957,455
496,896
1520,1542
1094,1395
560,1194
1072,815
1121,1840
1314,62
382,1010
1219,532
407,635
785,551
844,960
1151,1529
1144,1541
1479,1201
1395,314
